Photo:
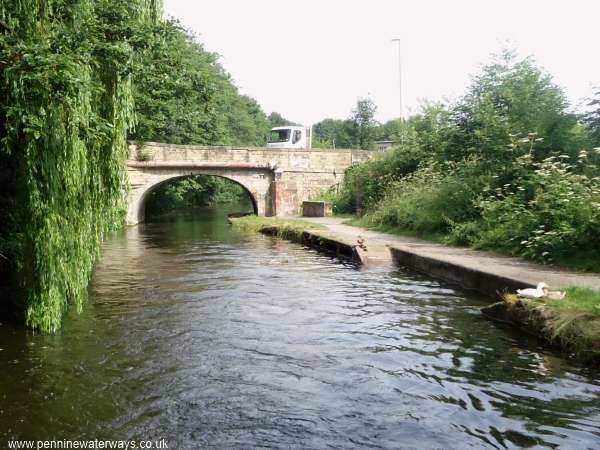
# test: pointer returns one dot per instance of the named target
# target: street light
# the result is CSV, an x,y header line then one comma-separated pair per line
x,y
400,75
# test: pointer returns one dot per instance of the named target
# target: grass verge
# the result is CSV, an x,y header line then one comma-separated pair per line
x,y
284,226
572,323
581,262
299,231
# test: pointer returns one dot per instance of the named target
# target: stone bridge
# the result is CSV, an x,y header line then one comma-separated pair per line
x,y
277,180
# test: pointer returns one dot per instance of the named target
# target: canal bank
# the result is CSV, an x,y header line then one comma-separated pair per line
x,y
489,273
492,275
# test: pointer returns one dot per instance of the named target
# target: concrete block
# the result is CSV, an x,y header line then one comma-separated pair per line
x,y
317,209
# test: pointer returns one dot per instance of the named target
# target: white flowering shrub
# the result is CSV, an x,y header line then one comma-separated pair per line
x,y
549,212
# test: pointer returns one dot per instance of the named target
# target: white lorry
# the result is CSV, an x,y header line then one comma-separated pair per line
x,y
290,137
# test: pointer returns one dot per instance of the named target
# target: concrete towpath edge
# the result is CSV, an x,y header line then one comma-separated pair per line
x,y
489,274
486,272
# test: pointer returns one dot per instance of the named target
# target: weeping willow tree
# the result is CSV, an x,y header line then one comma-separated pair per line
x,y
65,107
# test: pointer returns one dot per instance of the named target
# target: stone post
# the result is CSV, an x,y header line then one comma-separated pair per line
x,y
359,197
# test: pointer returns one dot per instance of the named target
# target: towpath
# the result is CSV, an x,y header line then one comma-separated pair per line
x,y
484,271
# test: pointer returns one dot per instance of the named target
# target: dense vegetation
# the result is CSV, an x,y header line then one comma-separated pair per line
x,y
67,103
506,167
592,119
75,79
184,96
186,194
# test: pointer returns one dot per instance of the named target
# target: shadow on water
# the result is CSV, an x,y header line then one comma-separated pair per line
x,y
213,338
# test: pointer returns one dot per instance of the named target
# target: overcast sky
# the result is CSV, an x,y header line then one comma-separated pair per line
x,y
311,59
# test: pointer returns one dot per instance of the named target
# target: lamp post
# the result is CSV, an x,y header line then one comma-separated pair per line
x,y
399,75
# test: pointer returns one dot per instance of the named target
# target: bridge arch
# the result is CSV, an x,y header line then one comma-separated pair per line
x,y
144,181
146,195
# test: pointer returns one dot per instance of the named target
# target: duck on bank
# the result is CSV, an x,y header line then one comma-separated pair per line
x,y
568,320
541,291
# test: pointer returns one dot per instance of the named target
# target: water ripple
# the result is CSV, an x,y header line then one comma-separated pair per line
x,y
223,340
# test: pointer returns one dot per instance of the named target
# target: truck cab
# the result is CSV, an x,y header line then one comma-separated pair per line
x,y
289,137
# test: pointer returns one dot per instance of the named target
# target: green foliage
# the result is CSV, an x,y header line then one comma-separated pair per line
x,y
184,96
430,128
592,118
176,85
503,168
582,299
573,323
359,131
390,131
430,199
283,226
142,155
548,213
277,120
377,175
187,193
245,120
70,74
66,106
364,123
333,133
510,97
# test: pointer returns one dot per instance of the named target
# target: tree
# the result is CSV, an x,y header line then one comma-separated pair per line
x,y
277,120
66,107
176,92
511,97
364,123
245,120
184,96
389,131
333,133
592,118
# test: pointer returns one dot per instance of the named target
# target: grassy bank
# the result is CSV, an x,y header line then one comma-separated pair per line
x,y
283,226
572,323
299,231
580,261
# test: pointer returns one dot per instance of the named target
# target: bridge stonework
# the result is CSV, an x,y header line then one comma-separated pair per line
x,y
278,180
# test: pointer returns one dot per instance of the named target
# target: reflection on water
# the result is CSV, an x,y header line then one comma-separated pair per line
x,y
211,338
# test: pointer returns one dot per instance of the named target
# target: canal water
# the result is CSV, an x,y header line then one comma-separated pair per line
x,y
210,338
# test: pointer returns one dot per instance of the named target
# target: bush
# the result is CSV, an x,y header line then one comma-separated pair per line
x,y
66,104
376,175
184,194
547,214
431,199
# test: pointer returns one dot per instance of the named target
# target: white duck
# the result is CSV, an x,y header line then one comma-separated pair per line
x,y
539,292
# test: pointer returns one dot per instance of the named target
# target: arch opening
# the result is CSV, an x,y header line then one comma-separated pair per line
x,y
186,194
